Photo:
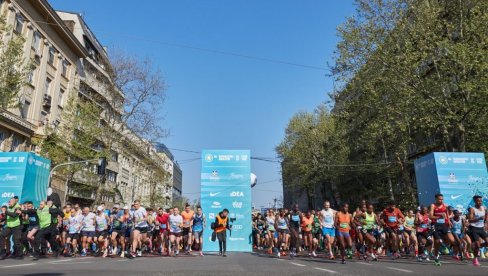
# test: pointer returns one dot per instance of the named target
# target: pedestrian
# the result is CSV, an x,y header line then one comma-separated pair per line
x,y
14,229
220,227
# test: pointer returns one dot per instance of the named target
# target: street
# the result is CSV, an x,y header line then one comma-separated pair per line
x,y
234,264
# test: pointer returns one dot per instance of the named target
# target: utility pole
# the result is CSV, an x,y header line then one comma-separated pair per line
x,y
275,207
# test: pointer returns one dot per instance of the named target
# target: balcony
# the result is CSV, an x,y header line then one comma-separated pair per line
x,y
46,101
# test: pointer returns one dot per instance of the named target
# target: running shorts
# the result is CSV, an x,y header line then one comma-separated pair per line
x,y
186,231
89,234
477,232
440,231
283,231
342,234
143,230
198,234
103,234
328,231
393,231
74,236
317,235
175,234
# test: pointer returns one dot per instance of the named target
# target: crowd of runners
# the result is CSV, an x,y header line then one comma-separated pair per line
x,y
127,231
367,233
131,231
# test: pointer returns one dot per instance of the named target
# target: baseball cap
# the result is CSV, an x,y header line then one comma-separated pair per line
x,y
126,207
99,208
117,206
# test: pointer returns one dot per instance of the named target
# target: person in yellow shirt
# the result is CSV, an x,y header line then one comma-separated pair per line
x,y
220,227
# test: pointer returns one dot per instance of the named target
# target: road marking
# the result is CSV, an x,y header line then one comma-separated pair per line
x,y
326,270
361,263
297,264
399,269
280,259
73,263
60,261
121,260
8,266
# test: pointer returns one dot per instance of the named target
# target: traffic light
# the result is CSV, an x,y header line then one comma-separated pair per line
x,y
102,165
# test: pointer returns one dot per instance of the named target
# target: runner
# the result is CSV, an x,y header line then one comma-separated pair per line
x,y
119,226
316,234
369,223
343,224
440,220
175,222
281,225
409,234
199,223
187,216
327,219
75,223
270,225
101,231
139,235
458,229
162,222
306,226
392,218
33,227
151,226
424,233
478,222
13,229
294,220
87,230
357,230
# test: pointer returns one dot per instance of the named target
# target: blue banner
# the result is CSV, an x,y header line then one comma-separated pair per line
x,y
457,175
226,183
25,175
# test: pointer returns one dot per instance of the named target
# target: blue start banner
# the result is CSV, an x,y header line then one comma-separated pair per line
x,y
457,175
226,183
25,175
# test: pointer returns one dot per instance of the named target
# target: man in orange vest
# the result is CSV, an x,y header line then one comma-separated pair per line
x,y
221,226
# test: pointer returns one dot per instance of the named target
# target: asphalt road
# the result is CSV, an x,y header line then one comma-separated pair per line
x,y
234,264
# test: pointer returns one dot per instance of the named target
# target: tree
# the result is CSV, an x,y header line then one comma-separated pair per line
x,y
13,67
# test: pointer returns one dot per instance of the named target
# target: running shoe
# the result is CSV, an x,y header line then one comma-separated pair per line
x,y
419,259
476,262
83,253
456,258
278,254
343,261
122,255
177,252
467,255
201,253
314,254
437,262
139,253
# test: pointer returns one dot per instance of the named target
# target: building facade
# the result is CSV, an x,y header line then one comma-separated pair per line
x,y
68,60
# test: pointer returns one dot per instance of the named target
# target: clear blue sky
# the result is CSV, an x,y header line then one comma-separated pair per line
x,y
226,102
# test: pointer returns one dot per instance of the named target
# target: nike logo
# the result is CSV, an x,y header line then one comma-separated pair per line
x,y
455,197
214,194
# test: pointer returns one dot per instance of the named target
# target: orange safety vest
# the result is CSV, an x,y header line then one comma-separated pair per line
x,y
222,221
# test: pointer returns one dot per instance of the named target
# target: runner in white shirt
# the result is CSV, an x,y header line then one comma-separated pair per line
x,y
175,224
140,222
74,227
327,218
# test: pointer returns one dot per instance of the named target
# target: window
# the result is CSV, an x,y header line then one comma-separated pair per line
x,y
111,176
3,137
65,68
47,86
114,156
25,109
61,97
19,23
31,76
15,143
36,42
52,54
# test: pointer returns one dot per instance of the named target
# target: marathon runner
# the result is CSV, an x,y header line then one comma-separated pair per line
x,y
306,226
119,226
478,223
87,230
175,222
442,228
33,226
327,221
270,226
458,229
162,222
369,222
392,219
316,234
294,220
139,235
409,234
343,224
187,216
199,223
101,231
281,225
424,233
75,223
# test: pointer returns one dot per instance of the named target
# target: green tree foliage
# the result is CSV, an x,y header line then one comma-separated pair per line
x,y
412,78
13,66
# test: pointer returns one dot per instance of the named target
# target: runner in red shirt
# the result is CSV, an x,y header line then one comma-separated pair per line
x,y
392,218
162,223
439,215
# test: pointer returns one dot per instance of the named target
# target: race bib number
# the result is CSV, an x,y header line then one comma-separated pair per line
x,y
344,225
163,226
424,226
392,219
295,218
441,220
328,219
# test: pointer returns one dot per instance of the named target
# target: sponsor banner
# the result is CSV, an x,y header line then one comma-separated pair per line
x,y
25,175
226,184
457,175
